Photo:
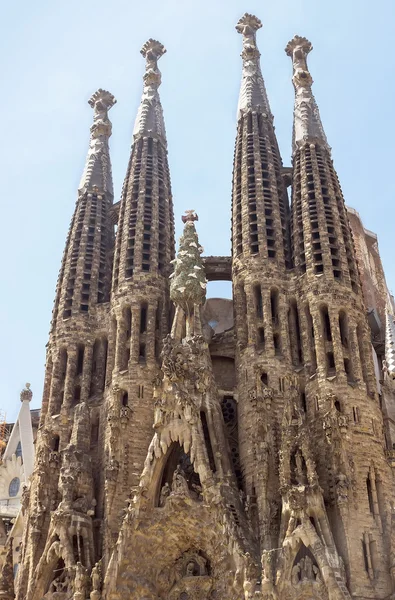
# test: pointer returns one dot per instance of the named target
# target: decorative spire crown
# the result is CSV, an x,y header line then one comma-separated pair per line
x,y
26,393
253,94
188,284
149,120
97,174
307,121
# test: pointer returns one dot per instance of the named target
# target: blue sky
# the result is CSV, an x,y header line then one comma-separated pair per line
x,y
55,54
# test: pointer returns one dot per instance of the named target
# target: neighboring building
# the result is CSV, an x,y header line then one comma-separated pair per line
x,y
16,466
220,449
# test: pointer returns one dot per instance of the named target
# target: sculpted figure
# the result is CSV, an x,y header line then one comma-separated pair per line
x,y
164,493
179,483
96,577
80,578
295,574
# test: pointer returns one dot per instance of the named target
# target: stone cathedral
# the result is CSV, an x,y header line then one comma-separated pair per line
x,y
194,449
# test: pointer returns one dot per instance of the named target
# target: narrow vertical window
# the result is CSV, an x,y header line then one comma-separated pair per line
x,y
206,433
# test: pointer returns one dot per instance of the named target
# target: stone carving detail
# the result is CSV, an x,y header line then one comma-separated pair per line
x,y
150,115
181,362
307,120
97,173
252,92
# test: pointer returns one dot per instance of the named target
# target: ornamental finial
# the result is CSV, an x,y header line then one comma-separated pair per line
x,y
190,215
248,25
298,49
152,51
307,121
149,120
252,92
97,175
26,393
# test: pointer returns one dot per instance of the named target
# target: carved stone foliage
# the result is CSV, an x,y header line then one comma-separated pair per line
x,y
181,362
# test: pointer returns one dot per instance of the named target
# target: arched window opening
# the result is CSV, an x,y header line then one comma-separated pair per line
x,y
303,401
142,356
261,338
80,360
370,494
229,412
240,310
77,394
294,334
102,374
143,318
330,364
274,306
18,451
326,324
258,301
158,317
124,399
348,370
310,332
14,486
128,322
178,476
55,441
362,354
337,406
209,448
264,378
343,327
94,432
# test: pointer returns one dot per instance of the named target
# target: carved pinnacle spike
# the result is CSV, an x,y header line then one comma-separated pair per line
x,y
248,23
153,48
103,96
298,42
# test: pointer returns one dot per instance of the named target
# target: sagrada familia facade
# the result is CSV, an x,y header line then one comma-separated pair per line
x,y
179,458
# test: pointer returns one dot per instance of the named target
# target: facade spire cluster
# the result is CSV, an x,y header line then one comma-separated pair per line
x,y
208,448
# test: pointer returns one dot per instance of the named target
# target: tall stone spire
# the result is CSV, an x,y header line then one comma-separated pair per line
x,y
307,120
145,238
140,301
322,243
260,204
252,92
149,120
97,171
84,277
